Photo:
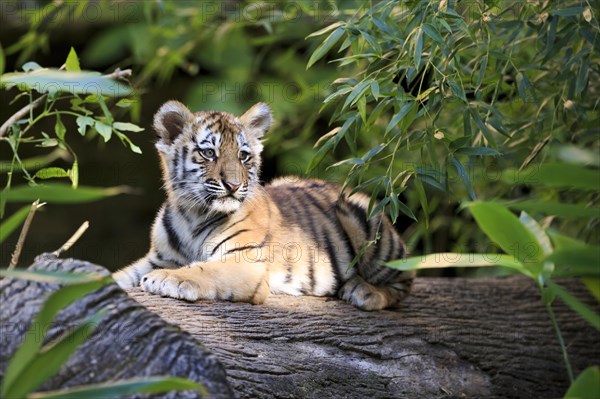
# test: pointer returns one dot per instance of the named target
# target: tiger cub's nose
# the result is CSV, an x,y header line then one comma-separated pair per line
x,y
232,187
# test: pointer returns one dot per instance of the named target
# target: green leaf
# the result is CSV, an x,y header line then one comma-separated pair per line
x,y
464,177
48,361
457,90
128,142
579,262
525,88
586,385
104,130
505,229
51,173
122,388
2,60
375,89
568,12
126,126
537,230
418,47
422,199
325,46
476,151
26,353
561,241
72,63
74,174
570,211
61,193
433,33
450,259
14,221
59,128
558,175
584,311
53,81
83,122
398,116
320,155
326,29
53,277
487,133
593,285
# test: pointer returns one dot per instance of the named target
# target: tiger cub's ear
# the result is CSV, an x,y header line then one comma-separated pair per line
x,y
170,120
257,120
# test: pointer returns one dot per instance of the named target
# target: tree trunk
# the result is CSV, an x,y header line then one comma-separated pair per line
x,y
451,338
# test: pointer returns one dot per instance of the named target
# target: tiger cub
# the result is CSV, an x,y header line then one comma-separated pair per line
x,y
221,235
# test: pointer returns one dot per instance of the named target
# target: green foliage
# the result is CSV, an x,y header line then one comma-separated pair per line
x,y
449,91
14,221
586,385
87,94
120,388
33,364
532,252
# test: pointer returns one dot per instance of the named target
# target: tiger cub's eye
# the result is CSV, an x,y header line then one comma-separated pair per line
x,y
208,153
244,156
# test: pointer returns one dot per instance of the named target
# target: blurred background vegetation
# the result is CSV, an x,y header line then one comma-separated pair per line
x,y
431,103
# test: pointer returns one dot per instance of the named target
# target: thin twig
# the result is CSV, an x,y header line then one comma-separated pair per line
x,y
65,247
119,74
21,241
20,113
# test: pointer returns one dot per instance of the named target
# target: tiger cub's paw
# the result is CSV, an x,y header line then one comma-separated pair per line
x,y
363,295
168,283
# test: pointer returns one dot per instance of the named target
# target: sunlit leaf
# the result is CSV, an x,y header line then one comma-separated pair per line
x,y
586,385
54,81
122,388
72,63
505,229
449,259
61,193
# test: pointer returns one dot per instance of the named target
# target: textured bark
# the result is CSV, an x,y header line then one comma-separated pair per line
x,y
451,338
129,342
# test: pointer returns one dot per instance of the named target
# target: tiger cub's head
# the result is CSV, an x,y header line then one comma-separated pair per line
x,y
210,159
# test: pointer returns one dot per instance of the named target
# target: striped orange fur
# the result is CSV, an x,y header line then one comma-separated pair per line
x,y
221,235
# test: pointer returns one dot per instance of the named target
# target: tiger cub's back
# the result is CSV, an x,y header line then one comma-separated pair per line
x,y
340,230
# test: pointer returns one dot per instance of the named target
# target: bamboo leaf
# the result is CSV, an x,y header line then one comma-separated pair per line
x,y
450,259
61,193
325,46
584,311
13,222
505,229
586,385
54,81
122,388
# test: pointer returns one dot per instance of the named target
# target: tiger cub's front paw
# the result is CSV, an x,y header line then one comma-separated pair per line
x,y
168,283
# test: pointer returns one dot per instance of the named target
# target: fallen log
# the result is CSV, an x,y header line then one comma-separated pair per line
x,y
473,338
129,341
451,338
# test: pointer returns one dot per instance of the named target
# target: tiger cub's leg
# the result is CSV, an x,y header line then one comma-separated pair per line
x,y
231,281
375,286
130,276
